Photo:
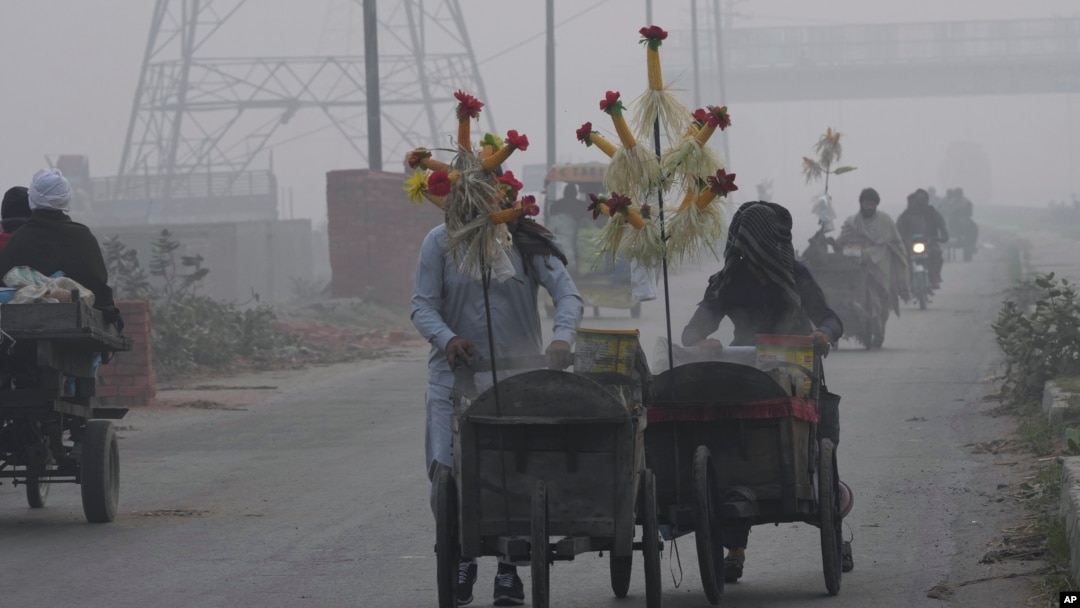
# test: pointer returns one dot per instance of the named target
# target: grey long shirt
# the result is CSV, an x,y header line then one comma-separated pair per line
x,y
446,303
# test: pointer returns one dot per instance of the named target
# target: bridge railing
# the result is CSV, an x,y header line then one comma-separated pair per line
x,y
1006,42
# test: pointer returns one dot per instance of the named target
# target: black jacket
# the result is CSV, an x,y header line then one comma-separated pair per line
x,y
926,221
758,309
51,242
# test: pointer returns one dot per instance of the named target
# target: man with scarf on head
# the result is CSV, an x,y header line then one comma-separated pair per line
x,y
764,290
50,242
448,310
875,233
921,218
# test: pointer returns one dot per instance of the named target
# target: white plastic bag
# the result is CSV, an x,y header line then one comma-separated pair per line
x,y
21,276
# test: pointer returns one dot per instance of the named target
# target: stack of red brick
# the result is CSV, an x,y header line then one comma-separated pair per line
x,y
129,379
375,235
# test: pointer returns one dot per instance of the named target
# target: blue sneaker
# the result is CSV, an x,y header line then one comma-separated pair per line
x,y
465,578
508,588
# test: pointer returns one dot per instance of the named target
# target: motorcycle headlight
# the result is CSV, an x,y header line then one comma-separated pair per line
x,y
918,248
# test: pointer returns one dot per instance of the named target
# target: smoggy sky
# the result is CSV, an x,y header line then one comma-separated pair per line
x,y
68,71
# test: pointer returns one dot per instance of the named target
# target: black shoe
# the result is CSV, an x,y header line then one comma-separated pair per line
x,y
508,588
465,578
733,566
847,560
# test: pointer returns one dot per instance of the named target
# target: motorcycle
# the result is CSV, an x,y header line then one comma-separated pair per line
x,y
919,256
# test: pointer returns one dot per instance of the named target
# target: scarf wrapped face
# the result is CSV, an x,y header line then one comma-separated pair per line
x,y
760,236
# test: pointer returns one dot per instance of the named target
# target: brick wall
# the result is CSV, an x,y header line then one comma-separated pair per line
x,y
129,380
374,234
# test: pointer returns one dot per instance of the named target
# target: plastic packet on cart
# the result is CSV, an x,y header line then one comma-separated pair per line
x,y
743,355
22,276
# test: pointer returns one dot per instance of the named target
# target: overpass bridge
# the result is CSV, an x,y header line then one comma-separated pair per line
x,y
944,59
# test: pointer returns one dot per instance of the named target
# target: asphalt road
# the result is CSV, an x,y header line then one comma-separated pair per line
x,y
314,494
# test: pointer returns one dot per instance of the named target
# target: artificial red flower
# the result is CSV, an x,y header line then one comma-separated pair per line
x,y
719,117
618,203
519,141
723,183
652,36
584,132
528,203
594,206
701,116
468,106
507,179
611,104
438,183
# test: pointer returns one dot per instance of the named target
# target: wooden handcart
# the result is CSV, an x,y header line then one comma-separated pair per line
x,y
52,429
548,466
729,444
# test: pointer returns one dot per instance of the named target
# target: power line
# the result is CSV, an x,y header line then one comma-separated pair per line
x,y
521,43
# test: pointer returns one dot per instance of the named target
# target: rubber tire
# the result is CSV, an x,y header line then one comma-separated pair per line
x,y
538,550
99,472
650,532
922,301
621,572
37,492
447,542
635,312
710,547
832,536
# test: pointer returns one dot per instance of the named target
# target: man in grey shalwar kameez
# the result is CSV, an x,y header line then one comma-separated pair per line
x,y
448,309
875,231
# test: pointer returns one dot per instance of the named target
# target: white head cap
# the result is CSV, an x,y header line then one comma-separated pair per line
x,y
49,190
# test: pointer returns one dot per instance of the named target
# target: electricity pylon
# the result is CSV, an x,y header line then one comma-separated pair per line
x,y
194,114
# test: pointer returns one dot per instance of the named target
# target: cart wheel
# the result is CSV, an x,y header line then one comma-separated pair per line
x,y
710,547
447,548
99,472
650,532
621,569
832,536
635,312
37,491
541,584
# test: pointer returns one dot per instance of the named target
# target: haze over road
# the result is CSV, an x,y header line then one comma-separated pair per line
x,y
316,495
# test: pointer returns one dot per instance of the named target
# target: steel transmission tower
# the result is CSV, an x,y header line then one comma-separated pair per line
x,y
195,116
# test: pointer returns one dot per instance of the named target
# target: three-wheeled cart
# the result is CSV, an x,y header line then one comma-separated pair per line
x,y
51,427
850,284
549,465
729,443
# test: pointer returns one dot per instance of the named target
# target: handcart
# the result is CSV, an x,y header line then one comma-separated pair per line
x,y
549,465
52,429
731,442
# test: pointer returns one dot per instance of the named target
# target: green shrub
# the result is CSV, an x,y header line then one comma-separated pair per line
x,y
190,329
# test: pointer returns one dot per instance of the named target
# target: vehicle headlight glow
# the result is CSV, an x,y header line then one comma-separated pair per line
x,y
918,248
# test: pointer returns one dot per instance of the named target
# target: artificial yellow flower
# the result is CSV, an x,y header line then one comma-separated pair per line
x,y
416,187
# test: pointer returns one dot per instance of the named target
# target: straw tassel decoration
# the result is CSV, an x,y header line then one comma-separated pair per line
x,y
657,102
628,230
633,169
692,157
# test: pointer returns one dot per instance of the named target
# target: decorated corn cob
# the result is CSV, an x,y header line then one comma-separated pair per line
x,y
587,136
421,157
633,169
630,229
514,141
468,109
692,158
657,102
693,228
489,144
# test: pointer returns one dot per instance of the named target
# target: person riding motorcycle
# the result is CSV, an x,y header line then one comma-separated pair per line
x,y
964,230
921,219
875,234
